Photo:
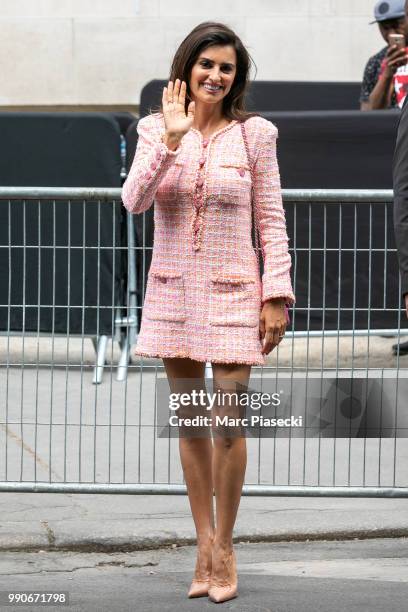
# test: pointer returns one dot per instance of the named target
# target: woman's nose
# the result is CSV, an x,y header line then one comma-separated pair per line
x,y
215,74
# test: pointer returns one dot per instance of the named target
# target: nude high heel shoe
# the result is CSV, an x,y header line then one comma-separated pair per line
x,y
199,586
224,589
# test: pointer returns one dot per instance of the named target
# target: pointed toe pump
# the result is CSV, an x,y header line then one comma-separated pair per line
x,y
199,587
224,589
201,581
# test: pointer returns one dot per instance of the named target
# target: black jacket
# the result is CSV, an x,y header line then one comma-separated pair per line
x,y
400,180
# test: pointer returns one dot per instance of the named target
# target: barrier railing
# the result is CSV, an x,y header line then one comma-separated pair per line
x,y
60,433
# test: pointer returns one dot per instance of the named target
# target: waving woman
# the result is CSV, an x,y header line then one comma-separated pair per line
x,y
206,162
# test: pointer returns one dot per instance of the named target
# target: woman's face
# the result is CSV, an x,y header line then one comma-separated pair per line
x,y
213,74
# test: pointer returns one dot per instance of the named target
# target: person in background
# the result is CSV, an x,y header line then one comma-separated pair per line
x,y
400,183
385,80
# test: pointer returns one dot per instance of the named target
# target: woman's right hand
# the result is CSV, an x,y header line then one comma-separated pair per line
x,y
176,121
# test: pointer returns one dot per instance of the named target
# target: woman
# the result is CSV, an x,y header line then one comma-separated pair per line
x,y
205,301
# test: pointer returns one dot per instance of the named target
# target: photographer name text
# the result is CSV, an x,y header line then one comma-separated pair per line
x,y
252,421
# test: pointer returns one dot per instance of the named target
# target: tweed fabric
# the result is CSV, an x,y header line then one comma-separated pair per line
x,y
204,293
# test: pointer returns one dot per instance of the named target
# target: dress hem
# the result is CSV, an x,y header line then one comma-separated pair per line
x,y
208,360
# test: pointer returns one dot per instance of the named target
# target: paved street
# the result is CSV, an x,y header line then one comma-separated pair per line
x,y
349,576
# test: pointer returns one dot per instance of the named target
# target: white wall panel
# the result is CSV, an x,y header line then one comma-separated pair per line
x,y
103,51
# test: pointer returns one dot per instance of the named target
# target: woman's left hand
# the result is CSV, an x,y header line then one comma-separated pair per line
x,y
272,324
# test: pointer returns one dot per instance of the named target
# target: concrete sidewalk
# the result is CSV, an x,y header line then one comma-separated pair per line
x,y
112,522
317,352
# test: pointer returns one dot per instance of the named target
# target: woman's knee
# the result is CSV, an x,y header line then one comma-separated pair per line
x,y
228,442
195,443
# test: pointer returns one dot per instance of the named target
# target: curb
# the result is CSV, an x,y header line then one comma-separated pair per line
x,y
156,543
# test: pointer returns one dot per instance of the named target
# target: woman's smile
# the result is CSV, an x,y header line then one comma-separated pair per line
x,y
212,88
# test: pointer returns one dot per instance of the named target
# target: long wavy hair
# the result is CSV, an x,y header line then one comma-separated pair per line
x,y
207,34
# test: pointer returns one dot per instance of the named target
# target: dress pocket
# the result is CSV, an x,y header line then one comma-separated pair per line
x,y
233,301
238,171
165,296
233,182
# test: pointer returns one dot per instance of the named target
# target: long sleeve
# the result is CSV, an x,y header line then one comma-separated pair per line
x,y
400,179
276,280
151,162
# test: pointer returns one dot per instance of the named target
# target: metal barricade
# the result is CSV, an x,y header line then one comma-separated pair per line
x,y
50,231
61,434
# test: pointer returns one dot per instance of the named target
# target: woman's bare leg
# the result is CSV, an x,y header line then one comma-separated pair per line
x,y
229,465
184,375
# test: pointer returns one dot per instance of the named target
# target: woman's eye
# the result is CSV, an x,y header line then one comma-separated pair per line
x,y
207,64
224,68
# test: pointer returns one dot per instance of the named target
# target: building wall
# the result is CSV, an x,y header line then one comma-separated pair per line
x,y
102,52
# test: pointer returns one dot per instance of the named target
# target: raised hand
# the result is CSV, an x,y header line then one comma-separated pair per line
x,y
176,121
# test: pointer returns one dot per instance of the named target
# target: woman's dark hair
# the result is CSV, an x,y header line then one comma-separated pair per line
x,y
205,35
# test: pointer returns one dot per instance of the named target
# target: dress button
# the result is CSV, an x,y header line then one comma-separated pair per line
x,y
200,183
241,172
205,142
201,161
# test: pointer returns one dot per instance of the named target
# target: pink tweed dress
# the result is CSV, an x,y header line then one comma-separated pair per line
x,y
204,293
